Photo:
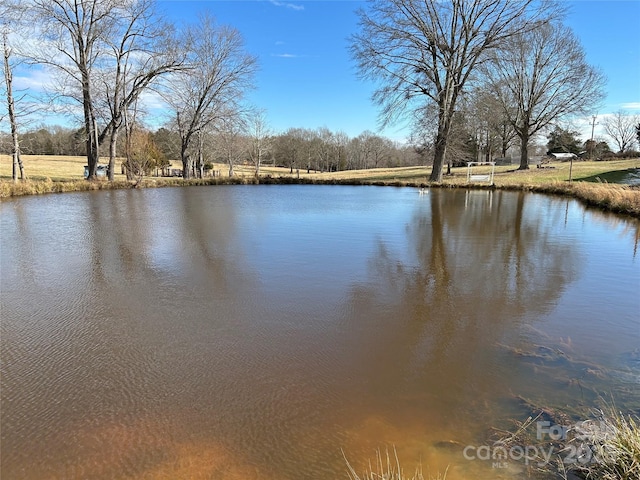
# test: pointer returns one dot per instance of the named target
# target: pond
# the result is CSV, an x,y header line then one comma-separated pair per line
x,y
238,332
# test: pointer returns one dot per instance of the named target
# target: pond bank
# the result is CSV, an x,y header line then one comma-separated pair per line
x,y
621,199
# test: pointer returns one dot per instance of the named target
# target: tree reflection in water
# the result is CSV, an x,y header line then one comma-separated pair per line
x,y
480,272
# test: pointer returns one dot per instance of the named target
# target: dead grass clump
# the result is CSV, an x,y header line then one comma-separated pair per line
x,y
387,468
27,187
605,447
616,448
39,187
607,196
620,198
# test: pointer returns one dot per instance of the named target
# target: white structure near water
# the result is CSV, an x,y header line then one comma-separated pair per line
x,y
562,156
480,175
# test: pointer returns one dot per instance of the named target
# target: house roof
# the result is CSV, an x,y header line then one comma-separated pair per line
x,y
563,156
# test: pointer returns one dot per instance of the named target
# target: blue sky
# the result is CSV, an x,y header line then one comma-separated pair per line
x,y
307,78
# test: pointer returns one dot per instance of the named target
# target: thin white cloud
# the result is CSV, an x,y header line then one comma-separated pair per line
x,y
35,79
631,106
287,55
152,100
292,6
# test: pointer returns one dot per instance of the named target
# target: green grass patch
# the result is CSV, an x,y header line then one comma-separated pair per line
x,y
615,176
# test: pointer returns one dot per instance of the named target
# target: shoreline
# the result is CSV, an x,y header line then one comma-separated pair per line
x,y
614,198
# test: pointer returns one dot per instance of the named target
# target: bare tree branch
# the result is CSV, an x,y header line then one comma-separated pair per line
x,y
621,127
141,49
542,76
73,35
426,50
219,73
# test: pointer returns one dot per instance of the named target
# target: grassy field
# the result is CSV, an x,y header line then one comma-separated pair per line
x,y
61,168
503,176
593,182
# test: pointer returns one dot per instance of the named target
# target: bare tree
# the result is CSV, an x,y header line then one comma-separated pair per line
x,y
10,16
621,127
418,49
140,49
230,138
362,147
72,41
425,134
540,77
106,53
296,147
374,149
259,138
495,132
219,73
340,141
11,109
325,150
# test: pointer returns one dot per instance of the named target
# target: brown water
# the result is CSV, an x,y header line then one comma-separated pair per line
x,y
255,331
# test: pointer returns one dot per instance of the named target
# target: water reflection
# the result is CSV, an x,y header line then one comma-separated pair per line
x,y
427,327
254,331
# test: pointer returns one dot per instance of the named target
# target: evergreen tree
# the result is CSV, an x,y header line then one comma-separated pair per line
x,y
563,141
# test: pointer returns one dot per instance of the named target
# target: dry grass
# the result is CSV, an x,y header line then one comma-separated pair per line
x,y
605,447
387,468
65,168
619,198
616,448
61,168
52,167
504,175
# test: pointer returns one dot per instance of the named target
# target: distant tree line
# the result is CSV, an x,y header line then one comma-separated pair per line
x,y
47,140
320,150
474,136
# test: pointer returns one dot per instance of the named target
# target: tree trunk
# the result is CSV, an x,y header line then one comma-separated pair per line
x,y
504,143
444,125
186,166
90,126
504,149
524,151
15,149
186,160
113,142
230,160
199,166
438,159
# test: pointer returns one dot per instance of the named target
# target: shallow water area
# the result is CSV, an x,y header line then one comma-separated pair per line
x,y
261,331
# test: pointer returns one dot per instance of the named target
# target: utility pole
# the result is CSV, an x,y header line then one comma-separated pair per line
x,y
593,126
